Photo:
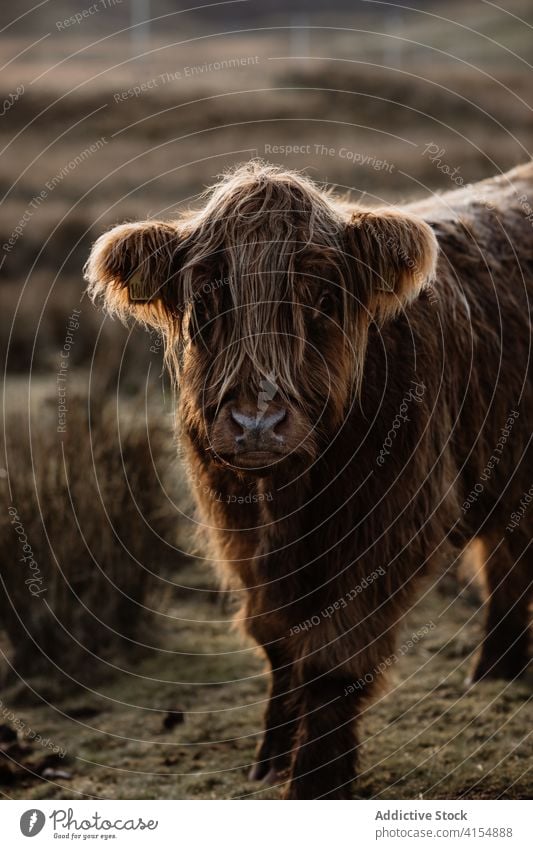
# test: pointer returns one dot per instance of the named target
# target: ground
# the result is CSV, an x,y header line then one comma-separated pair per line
x,y
428,737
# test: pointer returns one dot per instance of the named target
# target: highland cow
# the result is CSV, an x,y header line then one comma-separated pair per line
x,y
355,388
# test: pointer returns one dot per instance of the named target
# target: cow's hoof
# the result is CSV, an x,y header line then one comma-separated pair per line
x,y
259,771
274,776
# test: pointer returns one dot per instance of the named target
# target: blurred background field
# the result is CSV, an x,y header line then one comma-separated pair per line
x,y
378,82
109,118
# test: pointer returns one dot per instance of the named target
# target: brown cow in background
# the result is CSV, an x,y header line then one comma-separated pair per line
x,y
356,403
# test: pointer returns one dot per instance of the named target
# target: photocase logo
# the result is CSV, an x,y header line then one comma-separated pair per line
x,y
268,390
32,822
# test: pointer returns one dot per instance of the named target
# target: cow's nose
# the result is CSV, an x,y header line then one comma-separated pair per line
x,y
259,428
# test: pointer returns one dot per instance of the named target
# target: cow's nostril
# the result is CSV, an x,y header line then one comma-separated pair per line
x,y
243,422
271,421
238,427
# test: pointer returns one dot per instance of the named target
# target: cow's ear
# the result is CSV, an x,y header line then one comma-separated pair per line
x,y
394,256
133,270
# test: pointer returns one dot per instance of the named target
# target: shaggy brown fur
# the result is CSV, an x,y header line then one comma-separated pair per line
x,y
385,355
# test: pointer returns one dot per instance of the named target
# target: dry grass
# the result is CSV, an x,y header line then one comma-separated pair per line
x,y
427,738
89,510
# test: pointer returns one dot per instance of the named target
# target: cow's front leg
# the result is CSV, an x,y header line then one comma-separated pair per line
x,y
273,755
325,755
